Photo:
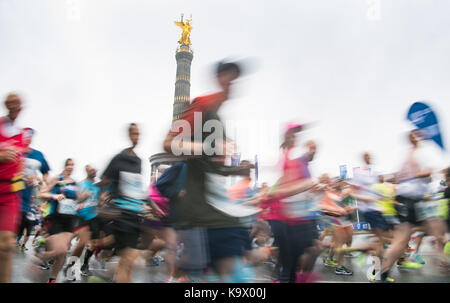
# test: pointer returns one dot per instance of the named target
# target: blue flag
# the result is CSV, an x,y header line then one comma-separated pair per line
x,y
423,117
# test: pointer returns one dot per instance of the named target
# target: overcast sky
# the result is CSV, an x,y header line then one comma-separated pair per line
x,y
87,68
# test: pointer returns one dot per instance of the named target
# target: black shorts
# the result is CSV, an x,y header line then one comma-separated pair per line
x,y
26,224
376,220
58,223
228,242
407,211
301,237
95,226
126,228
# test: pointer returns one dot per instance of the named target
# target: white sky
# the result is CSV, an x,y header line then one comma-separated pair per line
x,y
87,68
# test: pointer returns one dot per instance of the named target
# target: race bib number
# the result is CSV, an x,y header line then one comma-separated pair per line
x,y
426,210
131,185
31,217
300,206
67,207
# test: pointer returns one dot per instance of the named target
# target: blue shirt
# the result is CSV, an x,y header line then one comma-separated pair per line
x,y
34,162
89,210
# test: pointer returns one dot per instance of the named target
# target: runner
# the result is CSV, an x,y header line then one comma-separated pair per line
x,y
11,164
87,225
334,216
200,221
294,228
63,194
35,163
128,202
172,184
413,181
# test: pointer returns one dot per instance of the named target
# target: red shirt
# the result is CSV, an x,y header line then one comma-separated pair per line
x,y
202,105
10,136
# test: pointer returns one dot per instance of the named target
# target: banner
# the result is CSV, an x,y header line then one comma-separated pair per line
x,y
423,117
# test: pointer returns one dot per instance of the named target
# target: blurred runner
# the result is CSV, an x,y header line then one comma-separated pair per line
x,y
62,219
11,165
294,226
35,163
128,204
87,225
212,234
413,181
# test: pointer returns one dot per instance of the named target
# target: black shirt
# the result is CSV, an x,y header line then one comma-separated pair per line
x,y
122,163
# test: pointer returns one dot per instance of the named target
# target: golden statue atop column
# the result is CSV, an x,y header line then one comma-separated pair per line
x,y
186,27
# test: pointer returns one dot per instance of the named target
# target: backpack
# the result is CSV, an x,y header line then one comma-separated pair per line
x,y
172,180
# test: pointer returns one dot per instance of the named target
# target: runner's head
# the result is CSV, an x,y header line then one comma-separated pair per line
x,y
28,135
367,158
13,104
226,73
415,136
381,178
290,135
312,148
90,172
68,167
133,133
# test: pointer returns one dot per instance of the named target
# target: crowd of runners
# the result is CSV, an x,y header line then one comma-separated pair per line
x,y
205,231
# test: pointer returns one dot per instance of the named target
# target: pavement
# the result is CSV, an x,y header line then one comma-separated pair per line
x,y
431,272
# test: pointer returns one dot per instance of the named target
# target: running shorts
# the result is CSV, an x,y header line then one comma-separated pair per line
x,y
228,242
9,212
376,220
126,228
26,224
58,223
407,211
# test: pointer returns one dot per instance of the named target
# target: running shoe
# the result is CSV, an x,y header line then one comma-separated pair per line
x,y
410,249
155,262
419,259
185,279
171,280
342,271
331,263
85,271
405,264
388,280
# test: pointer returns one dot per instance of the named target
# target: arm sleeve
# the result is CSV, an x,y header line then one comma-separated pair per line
x,y
45,168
